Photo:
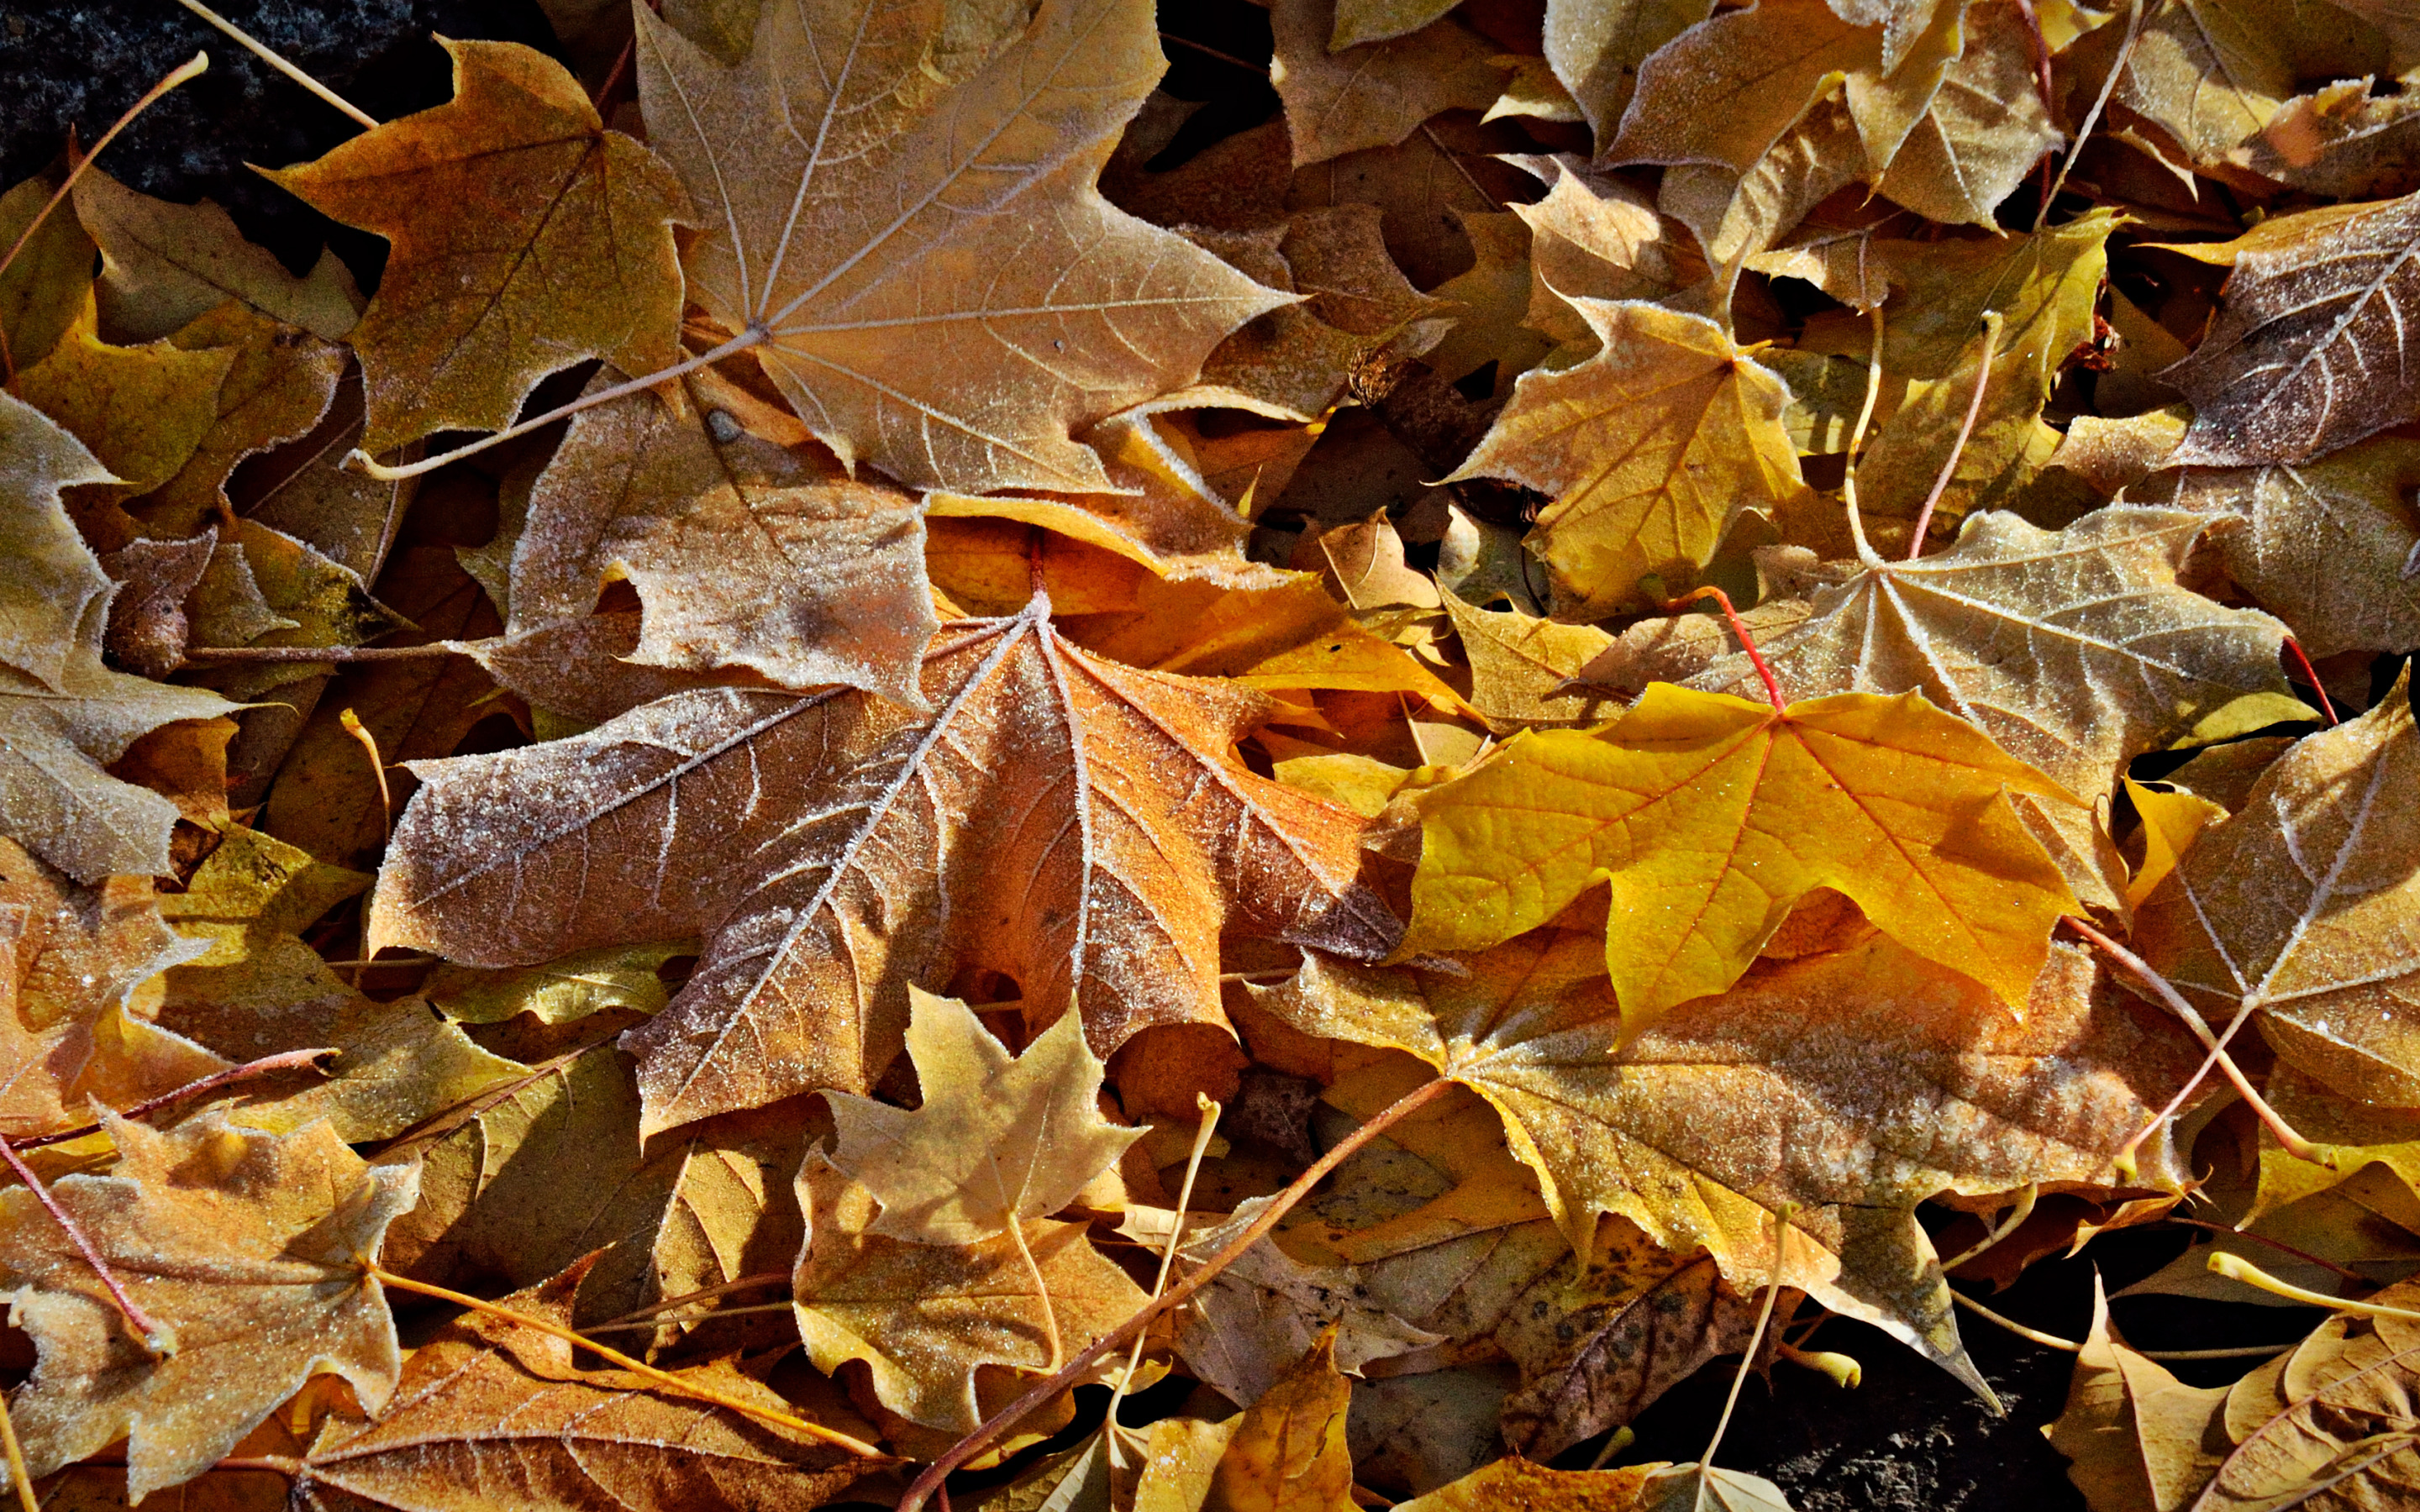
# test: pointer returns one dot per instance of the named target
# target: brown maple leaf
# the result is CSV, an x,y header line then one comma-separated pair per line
x,y
1075,824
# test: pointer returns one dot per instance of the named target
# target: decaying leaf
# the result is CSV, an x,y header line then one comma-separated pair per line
x,y
247,1248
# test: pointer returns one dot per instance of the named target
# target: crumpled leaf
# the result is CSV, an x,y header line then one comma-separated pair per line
x,y
558,992
1517,1482
525,236
1284,1453
1373,93
279,385
1786,1089
148,625
947,197
1595,49
1652,449
926,1320
43,288
503,1408
745,552
810,946
1710,816
63,714
999,1138
141,409
1522,667
245,1246
1598,236
2308,353
2301,907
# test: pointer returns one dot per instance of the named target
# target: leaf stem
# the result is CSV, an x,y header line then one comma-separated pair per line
x,y
160,1341
266,1065
2048,1341
26,1499
663,1377
1965,429
1202,1136
1176,1296
2311,675
2296,1146
755,335
1866,553
1748,642
2022,1211
1756,1339
2235,1268
191,68
1032,1269
745,1282
198,655
2277,1244
261,51
2092,116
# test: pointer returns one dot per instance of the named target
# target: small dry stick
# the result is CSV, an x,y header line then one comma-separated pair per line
x,y
159,1341
266,1065
1748,642
2295,1145
688,1299
2092,116
245,40
192,68
706,1316
26,1501
1175,1296
1965,429
376,1272
1202,1134
2311,675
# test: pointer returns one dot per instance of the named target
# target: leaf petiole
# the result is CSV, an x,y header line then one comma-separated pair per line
x,y
160,1341
1748,642
261,51
266,1065
1965,430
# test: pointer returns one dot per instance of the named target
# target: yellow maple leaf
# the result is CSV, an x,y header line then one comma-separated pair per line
x,y
1710,816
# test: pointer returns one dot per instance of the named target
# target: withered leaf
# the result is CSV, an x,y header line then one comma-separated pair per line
x,y
1681,1128
1371,93
941,202
826,848
247,1247
526,236
164,265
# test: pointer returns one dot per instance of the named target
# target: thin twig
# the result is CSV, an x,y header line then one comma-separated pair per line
x,y
1756,1339
2048,1341
2295,1145
1965,429
1748,642
755,335
1175,1296
706,1316
2311,675
160,1341
1223,57
745,1282
243,38
2279,1244
640,1367
2092,116
192,68
266,1065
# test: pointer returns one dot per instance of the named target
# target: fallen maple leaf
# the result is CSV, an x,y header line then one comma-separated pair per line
x,y
1788,1091
1373,93
247,1246
1710,816
2300,908
824,846
944,196
164,265
526,236
1652,449
999,1139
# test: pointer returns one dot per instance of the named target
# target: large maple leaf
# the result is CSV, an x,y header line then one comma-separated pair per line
x,y
1075,824
905,202
1825,1084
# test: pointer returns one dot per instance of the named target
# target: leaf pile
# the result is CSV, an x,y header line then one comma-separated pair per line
x,y
891,676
